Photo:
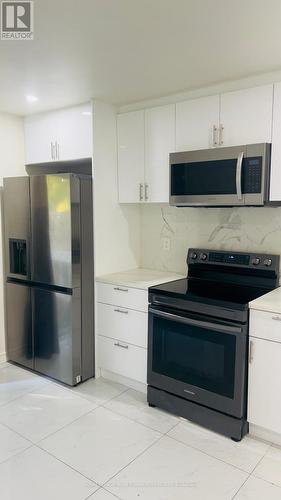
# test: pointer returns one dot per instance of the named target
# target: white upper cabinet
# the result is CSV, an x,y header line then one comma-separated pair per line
x,y
145,140
39,138
59,135
130,128
246,116
197,122
159,143
275,181
74,132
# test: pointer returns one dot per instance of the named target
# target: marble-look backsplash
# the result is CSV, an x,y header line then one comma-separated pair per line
x,y
241,229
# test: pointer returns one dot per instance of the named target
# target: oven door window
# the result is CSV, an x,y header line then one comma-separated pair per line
x,y
194,355
216,177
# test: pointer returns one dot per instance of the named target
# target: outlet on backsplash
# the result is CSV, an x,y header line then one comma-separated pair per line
x,y
166,244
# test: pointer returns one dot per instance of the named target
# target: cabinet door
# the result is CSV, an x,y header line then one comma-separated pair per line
x,y
275,181
195,122
246,116
40,135
74,132
160,127
130,129
264,396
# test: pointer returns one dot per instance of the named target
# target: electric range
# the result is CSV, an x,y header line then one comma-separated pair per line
x,y
198,337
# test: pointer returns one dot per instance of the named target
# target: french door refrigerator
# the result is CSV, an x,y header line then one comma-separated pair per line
x,y
48,221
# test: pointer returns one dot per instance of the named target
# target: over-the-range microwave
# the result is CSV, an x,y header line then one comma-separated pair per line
x,y
238,175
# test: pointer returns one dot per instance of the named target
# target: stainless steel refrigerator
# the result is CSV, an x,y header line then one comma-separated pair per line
x,y
48,227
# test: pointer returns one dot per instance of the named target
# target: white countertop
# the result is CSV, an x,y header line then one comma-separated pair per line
x,y
139,278
269,302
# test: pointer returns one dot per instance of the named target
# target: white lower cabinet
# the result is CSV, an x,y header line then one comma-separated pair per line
x,y
264,394
120,295
124,359
122,323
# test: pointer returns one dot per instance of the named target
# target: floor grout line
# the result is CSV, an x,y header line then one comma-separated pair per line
x,y
69,466
240,487
144,451
73,421
16,432
113,494
103,489
35,443
252,473
135,421
210,456
17,454
131,461
38,444
72,389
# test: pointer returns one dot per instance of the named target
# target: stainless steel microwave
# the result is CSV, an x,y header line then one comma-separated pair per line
x,y
231,176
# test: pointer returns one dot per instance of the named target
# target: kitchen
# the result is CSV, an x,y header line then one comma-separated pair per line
x,y
184,402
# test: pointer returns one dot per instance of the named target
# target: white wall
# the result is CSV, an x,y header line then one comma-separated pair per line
x,y
11,164
117,227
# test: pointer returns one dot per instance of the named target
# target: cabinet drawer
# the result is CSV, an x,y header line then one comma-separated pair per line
x,y
123,324
265,325
122,358
119,295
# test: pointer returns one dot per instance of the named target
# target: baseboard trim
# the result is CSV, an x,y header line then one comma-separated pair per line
x,y
3,357
265,434
133,384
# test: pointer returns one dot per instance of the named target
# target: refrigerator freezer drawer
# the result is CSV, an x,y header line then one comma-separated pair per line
x,y
19,327
57,334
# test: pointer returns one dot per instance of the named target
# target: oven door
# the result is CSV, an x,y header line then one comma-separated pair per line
x,y
199,359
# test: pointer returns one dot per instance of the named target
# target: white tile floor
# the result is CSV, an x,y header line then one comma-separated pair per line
x,y
100,441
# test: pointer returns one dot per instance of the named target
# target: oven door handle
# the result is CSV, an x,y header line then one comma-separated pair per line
x,y
239,175
195,322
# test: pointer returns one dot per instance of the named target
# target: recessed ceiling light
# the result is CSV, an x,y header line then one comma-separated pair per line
x,y
31,98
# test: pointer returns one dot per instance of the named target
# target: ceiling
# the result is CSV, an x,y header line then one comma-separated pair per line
x,y
123,51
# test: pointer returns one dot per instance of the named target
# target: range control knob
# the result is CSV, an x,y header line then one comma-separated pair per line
x,y
203,256
256,261
267,262
194,255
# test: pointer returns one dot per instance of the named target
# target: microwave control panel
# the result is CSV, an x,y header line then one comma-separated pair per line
x,y
252,175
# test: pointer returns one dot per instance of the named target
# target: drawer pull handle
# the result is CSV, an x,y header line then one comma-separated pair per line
x,y
118,289
276,318
121,311
120,345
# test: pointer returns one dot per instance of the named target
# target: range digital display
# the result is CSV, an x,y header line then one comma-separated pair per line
x,y
229,258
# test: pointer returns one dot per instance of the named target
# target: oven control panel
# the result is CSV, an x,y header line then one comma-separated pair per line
x,y
217,257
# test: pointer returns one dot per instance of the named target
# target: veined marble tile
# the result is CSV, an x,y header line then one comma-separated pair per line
x,y
249,229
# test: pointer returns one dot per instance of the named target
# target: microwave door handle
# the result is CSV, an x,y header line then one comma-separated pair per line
x,y
195,322
239,175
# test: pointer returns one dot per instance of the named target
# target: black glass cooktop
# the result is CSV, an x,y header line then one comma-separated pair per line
x,y
209,292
